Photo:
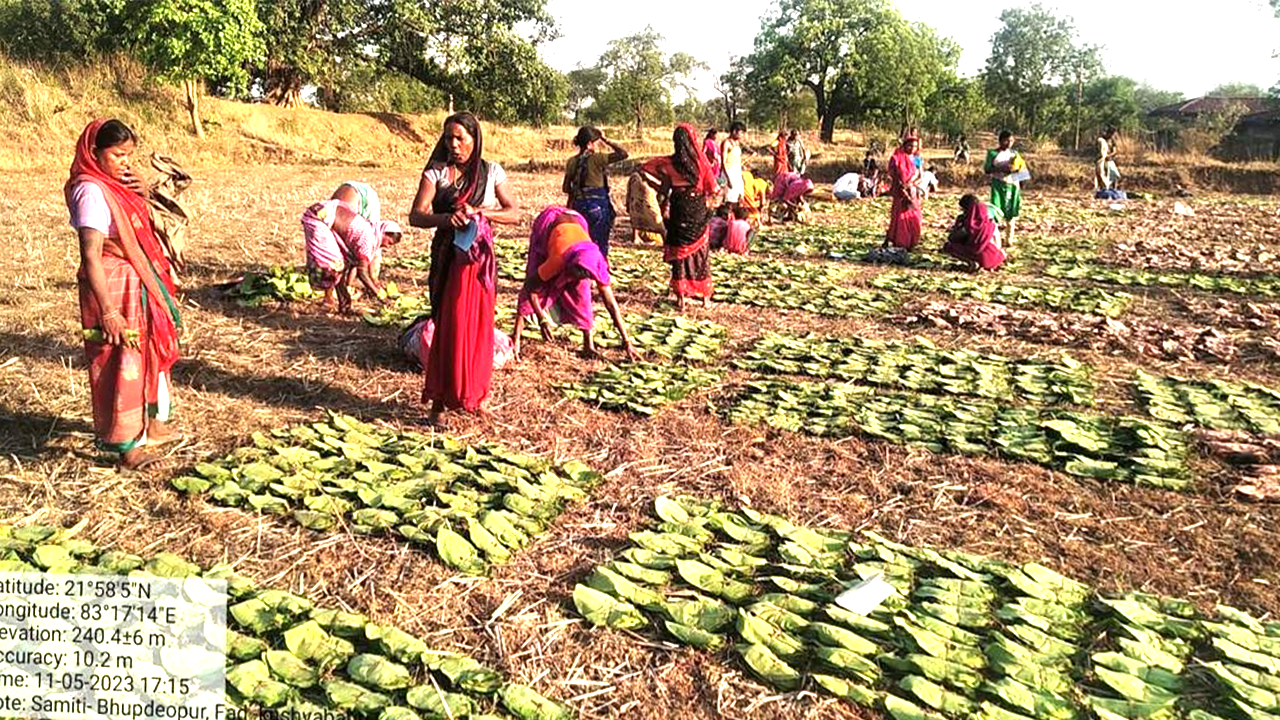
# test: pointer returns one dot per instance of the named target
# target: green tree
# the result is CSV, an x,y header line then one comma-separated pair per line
x,y
1032,55
479,52
912,63
640,77
507,81
64,31
958,107
1236,90
312,42
857,58
733,90
1113,101
191,41
1150,97
584,88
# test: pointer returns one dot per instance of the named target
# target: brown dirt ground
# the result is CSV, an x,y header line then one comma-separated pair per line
x,y
247,370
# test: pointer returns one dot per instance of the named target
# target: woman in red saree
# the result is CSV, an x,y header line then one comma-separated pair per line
x,y
459,195
974,237
127,296
780,163
685,186
904,216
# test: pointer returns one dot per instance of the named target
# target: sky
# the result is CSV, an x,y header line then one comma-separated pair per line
x,y
1189,49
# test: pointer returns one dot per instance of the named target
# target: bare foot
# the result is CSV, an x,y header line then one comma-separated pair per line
x,y
706,301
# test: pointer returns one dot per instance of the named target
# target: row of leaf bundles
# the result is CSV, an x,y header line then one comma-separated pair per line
x,y
1265,285
923,367
1085,444
473,504
642,388
1212,404
668,337
962,636
1162,659
283,652
1092,301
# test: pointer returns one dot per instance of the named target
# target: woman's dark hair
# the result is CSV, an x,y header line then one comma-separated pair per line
x,y
711,133
1005,135
737,126
685,157
476,172
587,134
968,201
113,133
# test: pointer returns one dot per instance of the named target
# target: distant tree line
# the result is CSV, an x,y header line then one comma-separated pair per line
x,y
815,64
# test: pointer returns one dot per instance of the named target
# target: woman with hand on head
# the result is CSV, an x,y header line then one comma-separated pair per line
x,y
128,302
586,182
459,195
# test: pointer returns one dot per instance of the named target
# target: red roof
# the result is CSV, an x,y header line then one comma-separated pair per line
x,y
1195,107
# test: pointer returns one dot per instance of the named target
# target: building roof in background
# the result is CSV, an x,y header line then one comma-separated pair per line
x,y
1264,118
1195,107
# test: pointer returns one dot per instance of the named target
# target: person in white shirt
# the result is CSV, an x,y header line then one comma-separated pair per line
x,y
928,182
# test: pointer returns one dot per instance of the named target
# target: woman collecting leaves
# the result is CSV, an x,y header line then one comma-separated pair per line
x,y
459,195
562,265
127,296
686,186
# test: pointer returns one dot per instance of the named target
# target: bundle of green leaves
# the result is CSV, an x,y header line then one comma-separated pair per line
x,y
1213,404
641,388
474,505
1085,444
959,636
279,284
1092,301
1260,285
923,367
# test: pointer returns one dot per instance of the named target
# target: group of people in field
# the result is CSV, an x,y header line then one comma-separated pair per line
x,y
975,235
699,196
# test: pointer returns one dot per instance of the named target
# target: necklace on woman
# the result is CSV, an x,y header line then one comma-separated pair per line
x,y
458,180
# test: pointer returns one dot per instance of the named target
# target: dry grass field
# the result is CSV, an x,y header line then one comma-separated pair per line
x,y
253,369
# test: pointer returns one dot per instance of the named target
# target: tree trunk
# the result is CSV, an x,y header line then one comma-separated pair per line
x,y
1075,144
828,129
639,120
283,86
193,107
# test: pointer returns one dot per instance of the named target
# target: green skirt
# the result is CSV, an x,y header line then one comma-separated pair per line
x,y
1007,197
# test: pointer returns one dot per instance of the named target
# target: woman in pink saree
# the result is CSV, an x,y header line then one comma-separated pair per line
x,y
974,238
563,263
904,217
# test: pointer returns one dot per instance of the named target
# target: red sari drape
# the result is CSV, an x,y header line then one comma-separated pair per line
x,y
459,367
126,384
905,215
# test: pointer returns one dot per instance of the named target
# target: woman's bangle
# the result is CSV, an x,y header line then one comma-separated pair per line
x,y
111,313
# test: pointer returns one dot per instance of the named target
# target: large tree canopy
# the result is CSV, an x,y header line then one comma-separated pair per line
x,y
858,58
1033,55
639,78
191,41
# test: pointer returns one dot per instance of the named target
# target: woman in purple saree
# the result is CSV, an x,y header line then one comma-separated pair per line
x,y
563,263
